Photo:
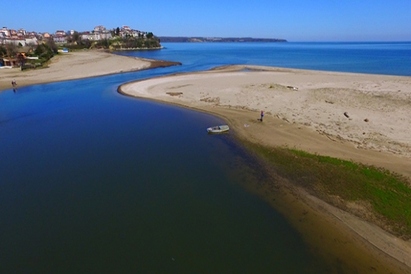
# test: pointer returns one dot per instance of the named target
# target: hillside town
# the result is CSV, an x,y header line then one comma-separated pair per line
x,y
30,49
26,38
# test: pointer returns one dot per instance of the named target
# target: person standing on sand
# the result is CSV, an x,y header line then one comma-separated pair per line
x,y
262,115
14,84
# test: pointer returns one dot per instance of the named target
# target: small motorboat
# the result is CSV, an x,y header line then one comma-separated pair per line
x,y
218,129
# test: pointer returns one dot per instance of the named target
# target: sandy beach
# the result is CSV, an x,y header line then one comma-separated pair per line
x,y
359,117
76,65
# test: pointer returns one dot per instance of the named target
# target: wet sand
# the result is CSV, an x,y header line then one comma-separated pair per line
x,y
357,117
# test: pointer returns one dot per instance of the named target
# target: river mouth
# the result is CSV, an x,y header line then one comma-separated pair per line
x,y
85,189
141,187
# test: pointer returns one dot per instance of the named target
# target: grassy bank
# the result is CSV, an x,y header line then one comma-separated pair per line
x,y
371,193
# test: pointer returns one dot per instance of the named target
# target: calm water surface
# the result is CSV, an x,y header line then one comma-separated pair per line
x,y
92,181
374,58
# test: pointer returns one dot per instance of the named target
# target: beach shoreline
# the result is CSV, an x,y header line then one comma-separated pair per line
x,y
77,65
309,110
304,110
373,131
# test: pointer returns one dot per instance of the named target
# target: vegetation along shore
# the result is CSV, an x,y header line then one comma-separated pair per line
x,y
335,143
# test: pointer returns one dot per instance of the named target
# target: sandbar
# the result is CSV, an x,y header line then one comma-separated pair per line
x,y
358,117
77,65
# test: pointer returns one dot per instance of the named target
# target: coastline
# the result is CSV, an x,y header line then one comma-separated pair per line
x,y
304,109
308,110
284,125
77,65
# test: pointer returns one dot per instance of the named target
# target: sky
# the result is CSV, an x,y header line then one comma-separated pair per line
x,y
293,20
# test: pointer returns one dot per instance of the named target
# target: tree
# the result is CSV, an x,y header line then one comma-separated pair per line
x,y
3,51
21,60
43,51
104,43
149,35
85,43
11,49
117,31
76,36
52,45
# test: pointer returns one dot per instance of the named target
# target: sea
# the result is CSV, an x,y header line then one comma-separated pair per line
x,y
92,181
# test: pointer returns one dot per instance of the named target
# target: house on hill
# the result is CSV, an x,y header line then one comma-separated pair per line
x,y
99,33
60,37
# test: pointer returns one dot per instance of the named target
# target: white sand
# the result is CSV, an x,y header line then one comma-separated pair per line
x,y
378,107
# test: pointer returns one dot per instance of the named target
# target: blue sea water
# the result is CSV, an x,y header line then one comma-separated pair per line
x,y
372,58
93,181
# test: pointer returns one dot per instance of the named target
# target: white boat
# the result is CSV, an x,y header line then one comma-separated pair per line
x,y
218,129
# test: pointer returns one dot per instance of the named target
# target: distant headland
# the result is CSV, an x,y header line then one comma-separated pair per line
x,y
216,39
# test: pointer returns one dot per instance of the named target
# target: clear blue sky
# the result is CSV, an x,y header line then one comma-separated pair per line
x,y
294,20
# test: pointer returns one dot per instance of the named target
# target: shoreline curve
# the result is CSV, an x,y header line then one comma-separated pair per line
x,y
308,110
78,65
